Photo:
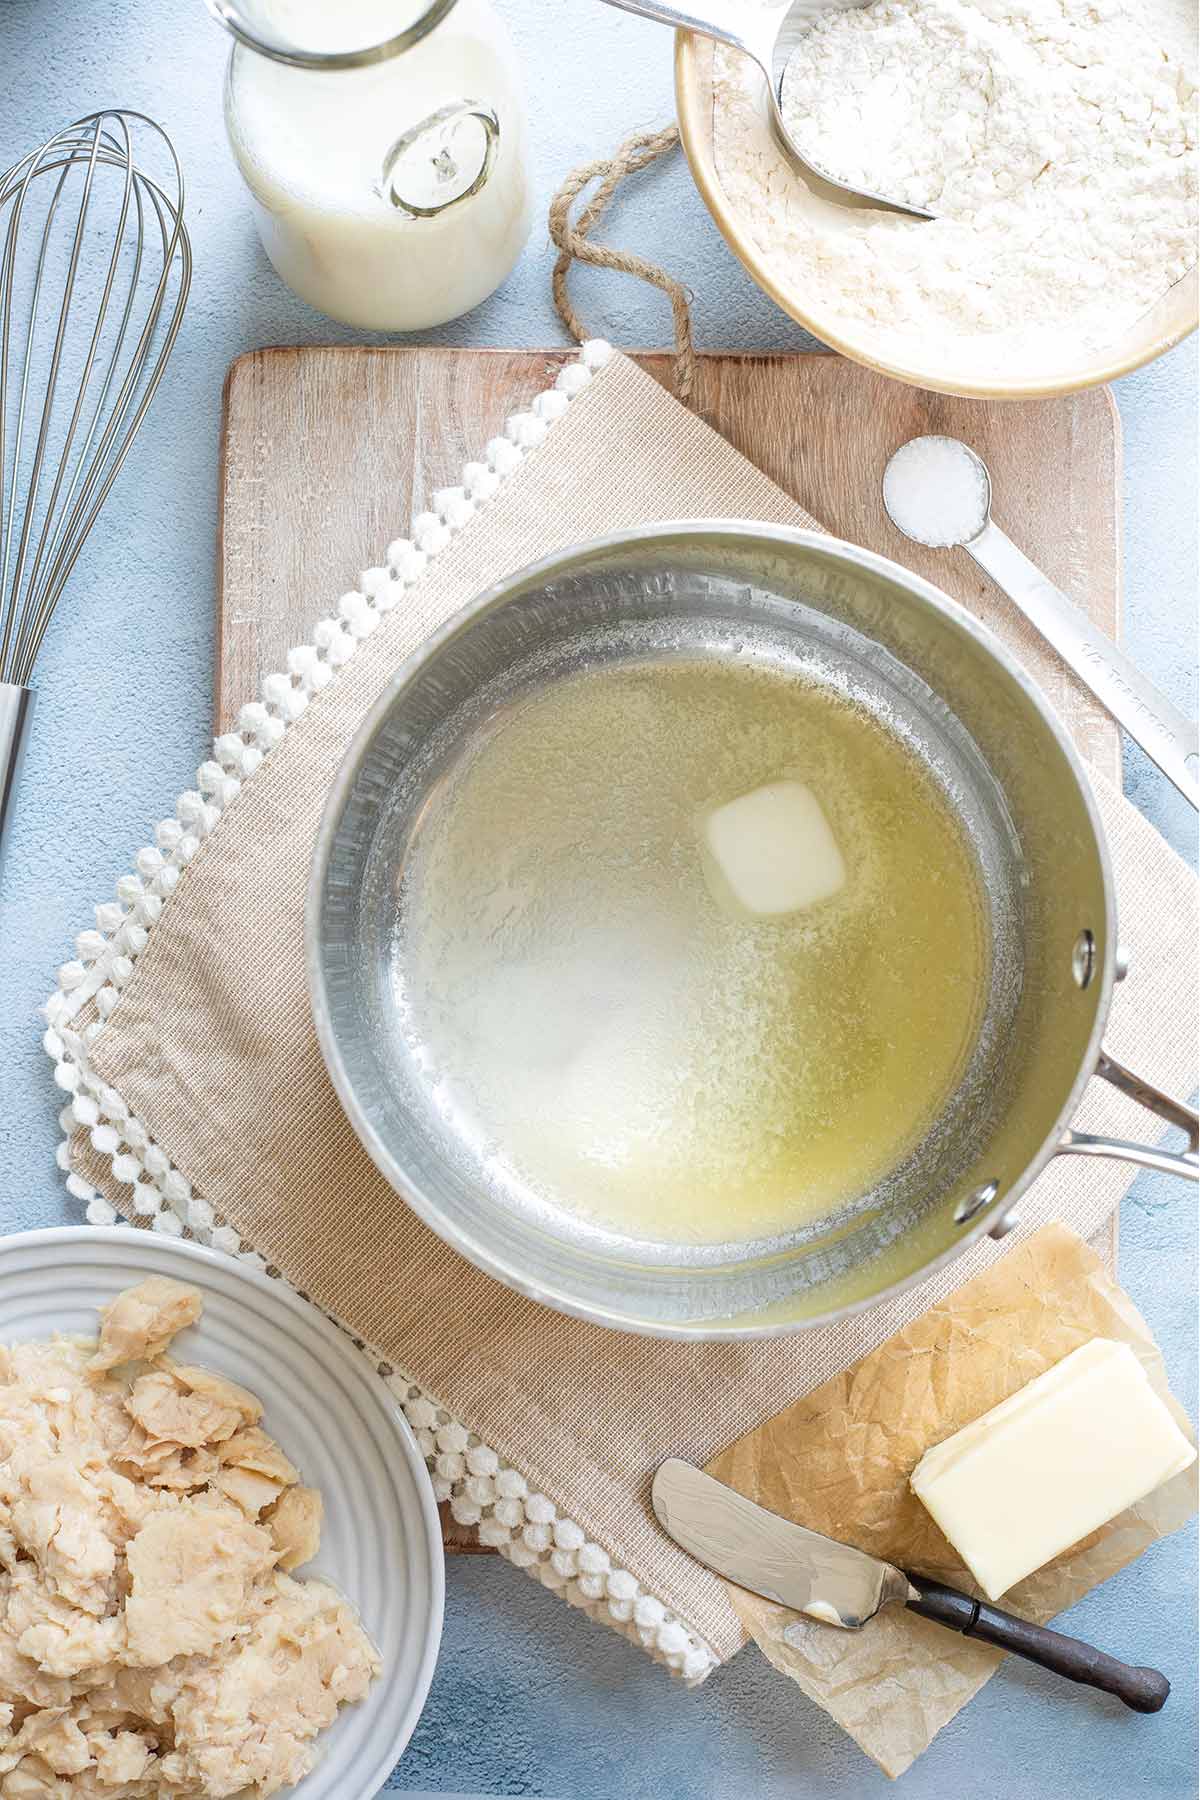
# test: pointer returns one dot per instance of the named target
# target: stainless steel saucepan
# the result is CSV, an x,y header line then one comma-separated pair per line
x,y
802,602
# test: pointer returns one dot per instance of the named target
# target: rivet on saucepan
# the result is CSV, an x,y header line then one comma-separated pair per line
x,y
1121,963
1083,959
973,1203
1007,1222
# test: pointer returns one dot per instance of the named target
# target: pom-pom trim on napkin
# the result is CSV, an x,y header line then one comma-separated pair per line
x,y
485,1493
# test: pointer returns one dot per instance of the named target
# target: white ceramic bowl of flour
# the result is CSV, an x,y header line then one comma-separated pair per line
x,y
1060,158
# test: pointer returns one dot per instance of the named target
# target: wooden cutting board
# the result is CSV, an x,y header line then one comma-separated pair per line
x,y
328,453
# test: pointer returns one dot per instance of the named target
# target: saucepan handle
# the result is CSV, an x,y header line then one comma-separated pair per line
x,y
1144,1690
1147,1156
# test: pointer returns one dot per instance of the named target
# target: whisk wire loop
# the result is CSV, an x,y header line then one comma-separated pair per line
x,y
46,543
78,374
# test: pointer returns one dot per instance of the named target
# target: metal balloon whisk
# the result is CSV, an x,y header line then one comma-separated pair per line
x,y
95,266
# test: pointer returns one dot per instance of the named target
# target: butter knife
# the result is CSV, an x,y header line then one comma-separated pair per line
x,y
839,1585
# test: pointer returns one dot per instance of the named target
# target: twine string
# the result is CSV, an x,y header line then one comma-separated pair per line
x,y
572,238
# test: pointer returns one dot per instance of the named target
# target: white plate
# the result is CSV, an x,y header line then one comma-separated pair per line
x,y
381,1544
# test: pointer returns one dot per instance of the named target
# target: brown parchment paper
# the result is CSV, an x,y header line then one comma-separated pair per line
x,y
839,1461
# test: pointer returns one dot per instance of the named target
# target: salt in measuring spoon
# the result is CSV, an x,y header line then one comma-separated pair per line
x,y
769,34
938,492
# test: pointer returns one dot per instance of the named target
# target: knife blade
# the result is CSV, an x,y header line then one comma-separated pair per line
x,y
770,1555
839,1585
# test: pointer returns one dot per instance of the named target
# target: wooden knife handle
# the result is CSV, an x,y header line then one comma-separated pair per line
x,y
1144,1690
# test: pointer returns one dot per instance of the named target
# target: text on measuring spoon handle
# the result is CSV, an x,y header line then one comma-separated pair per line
x,y
1166,735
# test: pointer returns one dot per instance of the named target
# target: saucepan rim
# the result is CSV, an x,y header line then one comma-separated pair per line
x,y
698,533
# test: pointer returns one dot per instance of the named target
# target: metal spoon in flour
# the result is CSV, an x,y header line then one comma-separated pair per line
x,y
939,493
769,33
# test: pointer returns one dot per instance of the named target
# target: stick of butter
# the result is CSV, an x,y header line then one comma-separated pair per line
x,y
774,850
1050,1464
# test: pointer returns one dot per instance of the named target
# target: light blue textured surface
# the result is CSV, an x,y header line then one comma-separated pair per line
x,y
529,1698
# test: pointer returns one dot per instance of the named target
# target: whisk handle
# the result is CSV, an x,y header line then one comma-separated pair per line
x,y
16,704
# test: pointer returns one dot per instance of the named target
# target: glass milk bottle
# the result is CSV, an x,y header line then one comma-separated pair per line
x,y
383,143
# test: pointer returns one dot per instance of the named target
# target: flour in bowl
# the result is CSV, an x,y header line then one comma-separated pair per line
x,y
1054,139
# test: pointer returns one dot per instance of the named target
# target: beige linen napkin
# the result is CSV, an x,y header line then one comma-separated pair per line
x,y
212,1048
839,1461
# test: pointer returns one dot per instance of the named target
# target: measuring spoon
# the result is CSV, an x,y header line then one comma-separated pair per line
x,y
938,492
769,34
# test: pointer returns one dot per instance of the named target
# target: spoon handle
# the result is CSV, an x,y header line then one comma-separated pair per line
x,y
1167,735
724,20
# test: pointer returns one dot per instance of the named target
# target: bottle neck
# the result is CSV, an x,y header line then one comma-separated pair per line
x,y
308,34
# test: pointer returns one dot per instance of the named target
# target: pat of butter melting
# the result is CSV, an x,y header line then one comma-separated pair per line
x,y
772,850
1053,1462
